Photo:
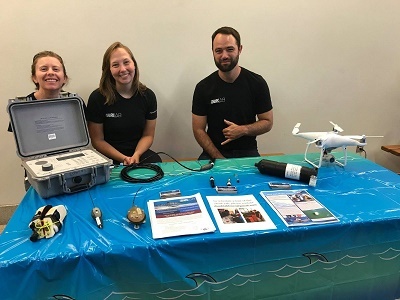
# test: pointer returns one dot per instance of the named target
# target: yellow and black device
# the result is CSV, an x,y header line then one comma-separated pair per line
x,y
47,221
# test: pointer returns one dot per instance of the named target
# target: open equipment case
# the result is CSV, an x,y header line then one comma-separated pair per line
x,y
53,142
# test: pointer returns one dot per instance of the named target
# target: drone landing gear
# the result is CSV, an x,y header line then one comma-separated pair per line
x,y
309,161
327,157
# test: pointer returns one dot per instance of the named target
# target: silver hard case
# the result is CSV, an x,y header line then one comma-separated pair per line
x,y
53,142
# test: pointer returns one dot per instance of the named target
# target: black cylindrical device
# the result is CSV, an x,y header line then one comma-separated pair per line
x,y
286,170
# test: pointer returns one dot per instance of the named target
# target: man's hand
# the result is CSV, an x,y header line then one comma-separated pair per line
x,y
233,131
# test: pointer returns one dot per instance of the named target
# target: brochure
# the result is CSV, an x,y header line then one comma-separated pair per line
x,y
298,207
179,216
239,213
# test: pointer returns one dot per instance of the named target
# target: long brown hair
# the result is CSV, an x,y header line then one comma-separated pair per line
x,y
107,85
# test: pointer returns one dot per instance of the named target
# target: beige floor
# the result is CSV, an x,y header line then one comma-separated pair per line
x,y
1,228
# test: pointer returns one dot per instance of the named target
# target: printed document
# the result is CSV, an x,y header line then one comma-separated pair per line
x,y
298,207
239,213
179,216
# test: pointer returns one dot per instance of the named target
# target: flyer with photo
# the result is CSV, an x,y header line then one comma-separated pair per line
x,y
298,207
239,213
179,216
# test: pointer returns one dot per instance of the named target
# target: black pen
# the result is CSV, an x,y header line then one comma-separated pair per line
x,y
212,182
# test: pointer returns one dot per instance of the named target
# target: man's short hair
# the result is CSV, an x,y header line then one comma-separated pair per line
x,y
228,31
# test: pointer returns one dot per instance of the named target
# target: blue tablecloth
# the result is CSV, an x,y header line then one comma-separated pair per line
x,y
360,252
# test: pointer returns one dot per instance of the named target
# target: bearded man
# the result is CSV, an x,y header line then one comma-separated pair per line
x,y
232,106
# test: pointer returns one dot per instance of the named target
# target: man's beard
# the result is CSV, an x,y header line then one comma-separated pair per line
x,y
229,67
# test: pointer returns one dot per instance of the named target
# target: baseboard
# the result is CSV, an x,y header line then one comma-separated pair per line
x,y
6,211
272,154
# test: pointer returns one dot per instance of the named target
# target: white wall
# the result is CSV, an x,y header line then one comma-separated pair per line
x,y
323,60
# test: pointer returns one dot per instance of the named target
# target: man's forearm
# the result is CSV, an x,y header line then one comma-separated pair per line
x,y
257,128
208,146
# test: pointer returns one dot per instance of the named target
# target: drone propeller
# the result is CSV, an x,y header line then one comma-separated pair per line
x,y
296,129
336,127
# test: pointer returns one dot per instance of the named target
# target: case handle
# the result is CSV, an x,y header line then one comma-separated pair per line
x,y
76,182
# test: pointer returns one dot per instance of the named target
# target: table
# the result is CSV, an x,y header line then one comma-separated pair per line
x,y
393,149
355,258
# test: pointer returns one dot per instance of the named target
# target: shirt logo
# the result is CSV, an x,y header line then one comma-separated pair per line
x,y
218,100
114,115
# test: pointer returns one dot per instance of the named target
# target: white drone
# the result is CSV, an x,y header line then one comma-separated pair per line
x,y
328,141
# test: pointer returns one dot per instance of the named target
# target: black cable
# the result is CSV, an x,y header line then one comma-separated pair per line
x,y
205,167
126,177
365,153
159,172
134,197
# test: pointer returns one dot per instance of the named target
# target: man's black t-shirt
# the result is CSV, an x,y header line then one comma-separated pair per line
x,y
238,102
